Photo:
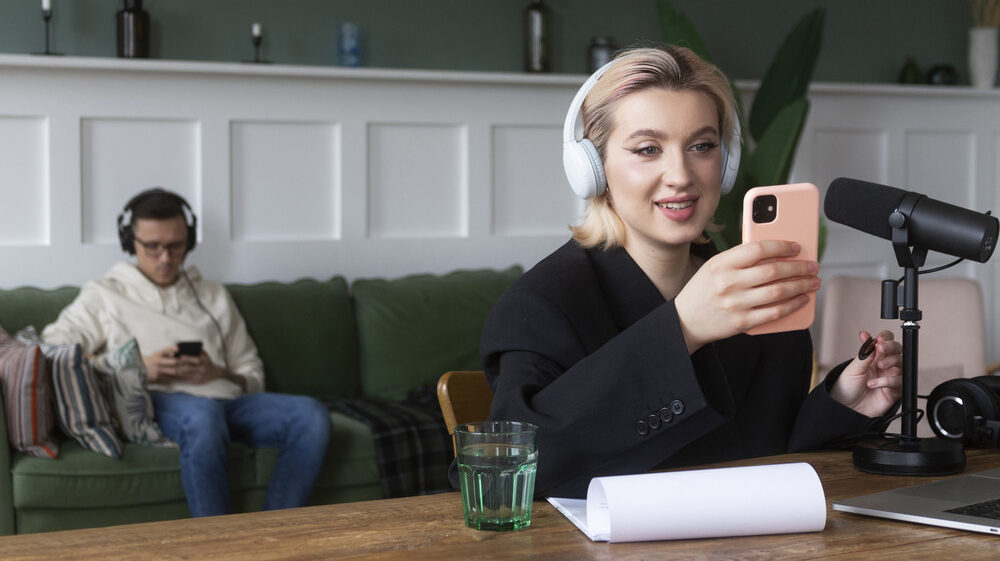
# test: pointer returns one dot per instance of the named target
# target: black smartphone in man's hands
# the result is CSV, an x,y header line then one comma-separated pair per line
x,y
188,348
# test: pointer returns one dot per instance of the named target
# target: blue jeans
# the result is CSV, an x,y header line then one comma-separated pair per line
x,y
299,426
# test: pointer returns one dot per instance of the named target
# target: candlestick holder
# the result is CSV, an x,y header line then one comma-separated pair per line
x,y
47,18
257,41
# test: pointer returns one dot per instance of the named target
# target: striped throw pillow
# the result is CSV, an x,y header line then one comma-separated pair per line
x,y
27,394
81,407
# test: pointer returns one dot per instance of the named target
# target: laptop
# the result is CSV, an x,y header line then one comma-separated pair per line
x,y
966,502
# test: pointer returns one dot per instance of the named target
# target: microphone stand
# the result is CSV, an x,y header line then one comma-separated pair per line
x,y
907,454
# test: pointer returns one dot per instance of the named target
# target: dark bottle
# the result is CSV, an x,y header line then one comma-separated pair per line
x,y
536,34
910,73
600,53
133,30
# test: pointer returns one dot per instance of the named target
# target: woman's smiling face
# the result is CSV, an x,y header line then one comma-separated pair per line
x,y
663,162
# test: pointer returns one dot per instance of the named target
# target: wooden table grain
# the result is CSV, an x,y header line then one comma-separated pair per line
x,y
431,528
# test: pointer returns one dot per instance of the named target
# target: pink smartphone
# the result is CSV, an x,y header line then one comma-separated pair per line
x,y
785,212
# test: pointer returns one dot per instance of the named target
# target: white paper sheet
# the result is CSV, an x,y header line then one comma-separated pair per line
x,y
741,501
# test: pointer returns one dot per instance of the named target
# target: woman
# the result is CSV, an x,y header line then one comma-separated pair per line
x,y
627,346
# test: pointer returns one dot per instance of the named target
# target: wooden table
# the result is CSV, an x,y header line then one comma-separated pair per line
x,y
431,528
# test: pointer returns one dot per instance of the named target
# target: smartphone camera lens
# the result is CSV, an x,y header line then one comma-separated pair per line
x,y
765,209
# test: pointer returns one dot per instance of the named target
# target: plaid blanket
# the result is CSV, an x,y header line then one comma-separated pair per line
x,y
411,442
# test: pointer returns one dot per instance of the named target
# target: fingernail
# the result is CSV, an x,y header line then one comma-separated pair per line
x,y
867,348
872,383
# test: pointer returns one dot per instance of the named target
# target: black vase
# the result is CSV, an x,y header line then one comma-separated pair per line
x,y
133,30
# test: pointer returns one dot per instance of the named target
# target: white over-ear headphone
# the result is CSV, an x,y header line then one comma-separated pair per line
x,y
582,162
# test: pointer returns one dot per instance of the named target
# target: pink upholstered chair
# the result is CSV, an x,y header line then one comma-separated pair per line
x,y
952,340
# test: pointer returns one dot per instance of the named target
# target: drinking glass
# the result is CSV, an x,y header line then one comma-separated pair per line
x,y
496,468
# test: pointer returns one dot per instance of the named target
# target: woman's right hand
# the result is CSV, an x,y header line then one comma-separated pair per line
x,y
743,287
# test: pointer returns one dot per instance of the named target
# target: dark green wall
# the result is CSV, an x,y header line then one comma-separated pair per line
x,y
865,40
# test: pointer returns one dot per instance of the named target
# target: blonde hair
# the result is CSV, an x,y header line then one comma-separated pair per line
x,y
669,67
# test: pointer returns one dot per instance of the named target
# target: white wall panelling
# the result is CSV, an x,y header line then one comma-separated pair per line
x,y
417,181
286,181
530,200
24,200
123,156
309,171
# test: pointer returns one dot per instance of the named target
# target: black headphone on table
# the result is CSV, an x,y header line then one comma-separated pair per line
x,y
127,237
967,409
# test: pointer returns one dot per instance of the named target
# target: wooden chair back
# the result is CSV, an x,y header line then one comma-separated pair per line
x,y
465,397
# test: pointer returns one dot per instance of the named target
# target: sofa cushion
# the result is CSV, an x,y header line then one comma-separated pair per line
x,y
27,394
305,334
351,459
128,394
414,329
83,481
81,408
21,307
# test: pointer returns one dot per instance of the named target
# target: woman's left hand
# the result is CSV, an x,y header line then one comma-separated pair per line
x,y
871,386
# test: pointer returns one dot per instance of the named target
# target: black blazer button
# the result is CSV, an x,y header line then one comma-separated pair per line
x,y
677,406
642,428
653,421
666,415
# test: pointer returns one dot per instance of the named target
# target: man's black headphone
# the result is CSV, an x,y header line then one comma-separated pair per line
x,y
967,409
127,237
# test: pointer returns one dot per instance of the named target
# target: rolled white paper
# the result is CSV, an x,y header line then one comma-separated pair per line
x,y
46,5
255,30
740,501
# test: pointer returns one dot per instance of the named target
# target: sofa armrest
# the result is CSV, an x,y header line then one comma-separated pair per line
x,y
6,488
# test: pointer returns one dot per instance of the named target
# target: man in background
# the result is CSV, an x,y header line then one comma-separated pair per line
x,y
205,399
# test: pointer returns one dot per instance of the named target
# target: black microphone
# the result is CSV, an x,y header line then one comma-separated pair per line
x,y
932,224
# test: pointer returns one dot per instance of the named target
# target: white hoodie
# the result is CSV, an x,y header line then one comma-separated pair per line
x,y
125,304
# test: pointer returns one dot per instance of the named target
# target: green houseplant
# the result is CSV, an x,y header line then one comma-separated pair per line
x,y
774,125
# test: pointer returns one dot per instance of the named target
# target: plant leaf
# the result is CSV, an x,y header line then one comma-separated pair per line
x,y
677,30
788,76
772,162
728,215
822,239
769,164
719,240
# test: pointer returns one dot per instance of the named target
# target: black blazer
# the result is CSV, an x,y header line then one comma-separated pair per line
x,y
585,346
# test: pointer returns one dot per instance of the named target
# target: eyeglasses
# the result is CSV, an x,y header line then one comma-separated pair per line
x,y
156,249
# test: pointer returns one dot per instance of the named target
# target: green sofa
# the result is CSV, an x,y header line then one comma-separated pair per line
x,y
380,338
